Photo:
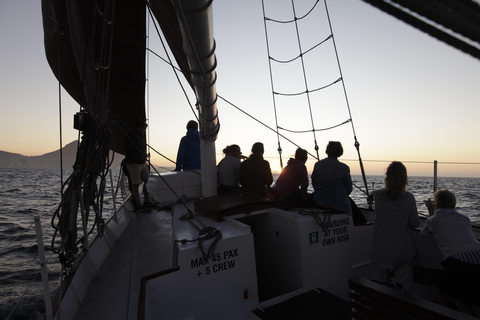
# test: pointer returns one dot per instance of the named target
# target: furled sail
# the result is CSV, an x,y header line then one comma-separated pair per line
x,y
96,49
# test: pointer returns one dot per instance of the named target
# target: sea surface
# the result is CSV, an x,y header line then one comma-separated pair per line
x,y
26,193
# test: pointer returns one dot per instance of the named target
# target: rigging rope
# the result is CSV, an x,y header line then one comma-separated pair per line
x,y
301,54
271,85
307,92
169,60
60,104
305,78
324,224
357,144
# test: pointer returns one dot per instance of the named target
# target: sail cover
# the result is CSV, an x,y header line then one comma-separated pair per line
x,y
96,49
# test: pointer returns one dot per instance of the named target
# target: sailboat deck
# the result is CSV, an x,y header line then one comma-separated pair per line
x,y
114,293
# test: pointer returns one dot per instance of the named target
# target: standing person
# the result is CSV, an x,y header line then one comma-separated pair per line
x,y
255,174
294,175
188,156
135,158
461,252
229,169
396,216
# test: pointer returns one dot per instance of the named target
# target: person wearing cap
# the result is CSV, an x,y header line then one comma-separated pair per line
x,y
188,156
255,173
135,159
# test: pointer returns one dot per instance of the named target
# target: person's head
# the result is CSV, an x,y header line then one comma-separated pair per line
x,y
396,179
334,149
444,199
192,124
257,149
140,126
233,150
301,155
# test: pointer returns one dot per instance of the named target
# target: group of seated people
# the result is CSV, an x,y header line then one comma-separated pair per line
x,y
331,179
396,216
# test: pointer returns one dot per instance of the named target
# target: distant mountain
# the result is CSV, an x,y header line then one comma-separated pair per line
x,y
49,160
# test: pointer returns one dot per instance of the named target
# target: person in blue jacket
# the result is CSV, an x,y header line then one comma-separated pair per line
x,y
188,156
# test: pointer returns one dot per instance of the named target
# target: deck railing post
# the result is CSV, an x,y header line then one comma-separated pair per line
x,y
41,254
434,176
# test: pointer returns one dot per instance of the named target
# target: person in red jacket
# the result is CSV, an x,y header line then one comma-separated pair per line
x,y
294,175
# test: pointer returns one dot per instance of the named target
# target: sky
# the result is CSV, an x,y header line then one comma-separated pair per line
x,y
412,98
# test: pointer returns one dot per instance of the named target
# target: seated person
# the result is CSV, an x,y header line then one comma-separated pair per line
x,y
255,174
229,169
332,184
461,252
188,156
294,175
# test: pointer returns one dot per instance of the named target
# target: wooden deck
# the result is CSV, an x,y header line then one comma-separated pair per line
x,y
114,293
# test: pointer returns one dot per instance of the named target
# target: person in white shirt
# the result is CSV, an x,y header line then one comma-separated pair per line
x,y
228,169
460,281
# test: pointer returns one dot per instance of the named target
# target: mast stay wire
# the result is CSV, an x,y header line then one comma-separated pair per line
x,y
231,104
277,131
307,91
147,73
357,144
169,59
301,53
271,84
305,76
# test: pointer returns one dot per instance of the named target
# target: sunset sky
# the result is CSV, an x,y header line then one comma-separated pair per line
x,y
412,98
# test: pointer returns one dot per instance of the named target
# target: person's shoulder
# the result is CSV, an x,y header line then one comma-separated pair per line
x,y
343,165
193,134
379,193
409,195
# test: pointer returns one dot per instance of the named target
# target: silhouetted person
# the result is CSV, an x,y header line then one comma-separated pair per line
x,y
293,176
255,174
135,158
331,181
461,252
188,156
396,216
229,169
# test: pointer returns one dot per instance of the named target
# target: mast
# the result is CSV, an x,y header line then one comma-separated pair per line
x,y
196,26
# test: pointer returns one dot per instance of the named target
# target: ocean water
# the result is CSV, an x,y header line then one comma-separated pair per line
x,y
25,193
